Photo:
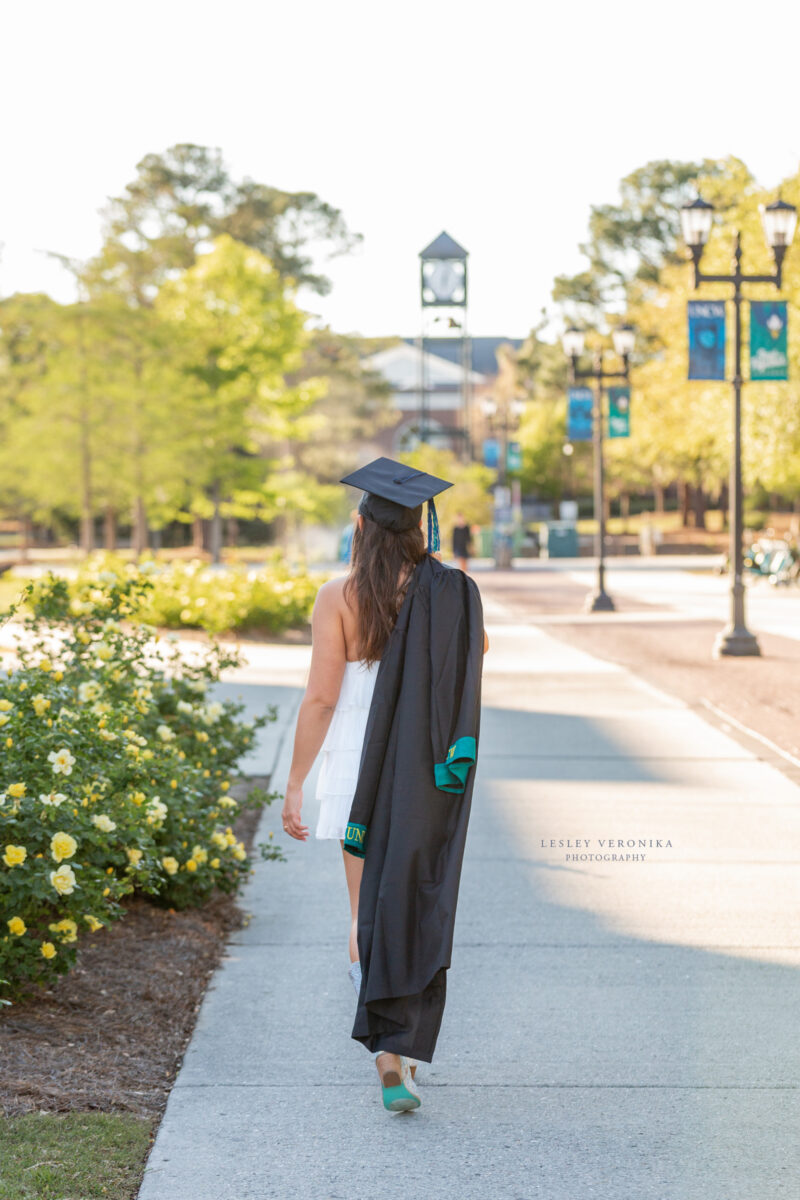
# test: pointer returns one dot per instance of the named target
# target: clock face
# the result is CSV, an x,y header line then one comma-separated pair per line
x,y
443,282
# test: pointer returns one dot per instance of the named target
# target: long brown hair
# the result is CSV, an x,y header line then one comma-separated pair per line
x,y
379,557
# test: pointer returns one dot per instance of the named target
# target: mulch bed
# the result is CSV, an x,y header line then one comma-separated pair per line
x,y
110,1035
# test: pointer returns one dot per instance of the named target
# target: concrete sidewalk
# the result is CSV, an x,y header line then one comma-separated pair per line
x,y
615,1029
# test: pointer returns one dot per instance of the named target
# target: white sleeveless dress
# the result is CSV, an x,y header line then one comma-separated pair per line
x,y
341,750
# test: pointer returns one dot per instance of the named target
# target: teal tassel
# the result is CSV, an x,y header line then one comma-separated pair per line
x,y
433,528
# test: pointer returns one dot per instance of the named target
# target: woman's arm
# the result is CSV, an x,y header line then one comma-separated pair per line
x,y
328,656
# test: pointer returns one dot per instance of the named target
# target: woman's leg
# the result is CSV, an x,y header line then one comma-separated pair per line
x,y
353,869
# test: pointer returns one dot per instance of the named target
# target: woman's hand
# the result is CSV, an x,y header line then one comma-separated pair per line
x,y
292,807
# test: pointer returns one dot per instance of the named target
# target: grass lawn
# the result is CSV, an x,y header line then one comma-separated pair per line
x,y
74,1156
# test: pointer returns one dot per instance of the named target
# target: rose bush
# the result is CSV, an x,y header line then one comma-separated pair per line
x,y
116,771
270,599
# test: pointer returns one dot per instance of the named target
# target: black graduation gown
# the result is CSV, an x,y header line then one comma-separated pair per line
x,y
411,807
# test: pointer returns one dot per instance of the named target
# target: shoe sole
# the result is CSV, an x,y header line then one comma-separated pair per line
x,y
399,1103
396,1096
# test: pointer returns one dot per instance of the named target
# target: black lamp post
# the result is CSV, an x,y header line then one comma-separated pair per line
x,y
501,417
624,338
779,220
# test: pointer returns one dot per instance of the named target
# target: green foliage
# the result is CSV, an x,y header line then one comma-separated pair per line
x,y
630,242
174,388
271,599
184,198
116,771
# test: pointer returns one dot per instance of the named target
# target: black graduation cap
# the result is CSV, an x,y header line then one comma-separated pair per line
x,y
394,494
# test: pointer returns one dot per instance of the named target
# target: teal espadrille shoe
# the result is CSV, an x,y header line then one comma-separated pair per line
x,y
399,1090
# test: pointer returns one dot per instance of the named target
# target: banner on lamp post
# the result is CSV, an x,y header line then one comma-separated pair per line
x,y
513,456
619,412
491,452
706,339
580,425
769,344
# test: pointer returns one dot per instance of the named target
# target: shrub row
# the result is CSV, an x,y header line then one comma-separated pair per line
x,y
194,594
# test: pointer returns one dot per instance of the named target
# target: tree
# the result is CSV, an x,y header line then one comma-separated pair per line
x,y
236,335
629,243
183,199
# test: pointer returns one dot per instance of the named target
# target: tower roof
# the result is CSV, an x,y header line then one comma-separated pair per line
x,y
444,247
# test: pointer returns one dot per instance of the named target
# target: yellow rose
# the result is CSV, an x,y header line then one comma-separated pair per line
x,y
63,880
191,865
49,950
230,837
44,664
9,743
170,864
62,846
16,926
67,928
17,790
92,922
218,839
240,853
6,706
58,676
134,856
215,863
199,854
14,855
225,785
104,823
40,705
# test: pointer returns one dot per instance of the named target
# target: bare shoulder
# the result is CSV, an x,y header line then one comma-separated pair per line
x,y
329,602
330,594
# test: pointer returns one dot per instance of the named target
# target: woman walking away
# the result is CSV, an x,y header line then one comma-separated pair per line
x,y
393,703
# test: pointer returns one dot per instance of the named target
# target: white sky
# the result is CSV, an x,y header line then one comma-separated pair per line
x,y
499,121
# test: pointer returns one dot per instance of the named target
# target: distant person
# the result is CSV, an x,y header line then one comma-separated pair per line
x,y
462,542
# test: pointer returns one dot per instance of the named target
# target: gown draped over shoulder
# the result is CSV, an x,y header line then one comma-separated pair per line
x,y
341,750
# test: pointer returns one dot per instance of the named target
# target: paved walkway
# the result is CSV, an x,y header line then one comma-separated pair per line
x,y
624,1030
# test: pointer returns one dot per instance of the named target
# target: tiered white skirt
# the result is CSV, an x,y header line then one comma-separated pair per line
x,y
341,750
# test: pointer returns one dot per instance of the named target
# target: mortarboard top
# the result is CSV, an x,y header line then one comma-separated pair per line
x,y
393,491
395,481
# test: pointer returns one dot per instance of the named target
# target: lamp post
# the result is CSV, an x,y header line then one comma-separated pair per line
x,y
624,339
500,417
779,221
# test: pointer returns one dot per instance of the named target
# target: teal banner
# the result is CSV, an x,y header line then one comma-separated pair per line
x,y
769,344
580,425
513,457
619,412
706,339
